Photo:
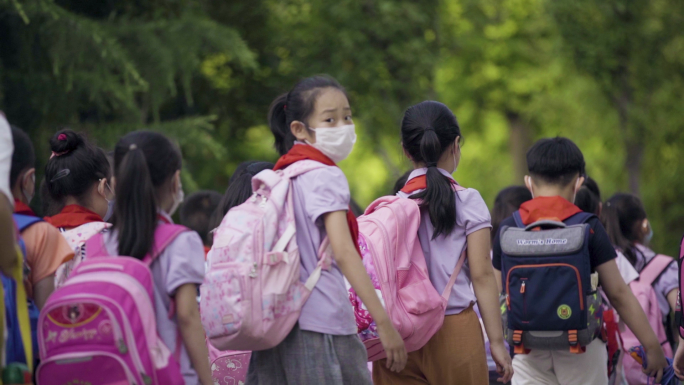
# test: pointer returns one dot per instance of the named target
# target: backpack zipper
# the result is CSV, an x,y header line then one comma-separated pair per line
x,y
577,273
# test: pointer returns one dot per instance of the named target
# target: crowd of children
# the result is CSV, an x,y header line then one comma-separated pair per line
x,y
126,197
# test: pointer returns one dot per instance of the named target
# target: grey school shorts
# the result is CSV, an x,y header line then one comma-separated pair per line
x,y
306,357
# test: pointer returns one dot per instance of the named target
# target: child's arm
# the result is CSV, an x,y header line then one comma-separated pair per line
x,y
349,262
631,313
192,331
486,291
672,297
678,362
42,290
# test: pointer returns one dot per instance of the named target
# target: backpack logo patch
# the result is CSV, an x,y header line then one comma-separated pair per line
x,y
564,312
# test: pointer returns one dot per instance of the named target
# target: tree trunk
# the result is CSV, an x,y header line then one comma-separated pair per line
x,y
634,149
520,141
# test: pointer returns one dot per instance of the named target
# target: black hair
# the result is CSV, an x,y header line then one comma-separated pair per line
x,y
197,210
555,161
506,203
623,215
401,182
588,197
144,161
296,105
23,157
239,190
74,167
428,129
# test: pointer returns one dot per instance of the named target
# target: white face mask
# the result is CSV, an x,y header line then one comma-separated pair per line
x,y
335,142
177,199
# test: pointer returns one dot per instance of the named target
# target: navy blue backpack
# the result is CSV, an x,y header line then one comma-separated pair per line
x,y
14,346
550,295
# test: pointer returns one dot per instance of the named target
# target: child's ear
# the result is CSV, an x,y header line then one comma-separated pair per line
x,y
406,153
528,183
300,131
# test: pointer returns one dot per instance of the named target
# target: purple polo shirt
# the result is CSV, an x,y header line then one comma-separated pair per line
x,y
316,193
442,253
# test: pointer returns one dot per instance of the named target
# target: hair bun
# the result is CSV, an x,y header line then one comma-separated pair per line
x,y
65,141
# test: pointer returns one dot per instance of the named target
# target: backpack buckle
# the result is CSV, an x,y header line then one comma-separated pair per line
x,y
575,347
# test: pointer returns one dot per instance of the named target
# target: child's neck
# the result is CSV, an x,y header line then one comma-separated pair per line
x,y
552,191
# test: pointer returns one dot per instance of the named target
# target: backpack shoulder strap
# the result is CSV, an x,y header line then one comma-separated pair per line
x,y
654,268
302,167
518,219
25,221
579,218
163,236
95,247
461,260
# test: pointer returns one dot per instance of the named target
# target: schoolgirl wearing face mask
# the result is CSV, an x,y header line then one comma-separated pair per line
x,y
148,191
313,122
630,231
78,183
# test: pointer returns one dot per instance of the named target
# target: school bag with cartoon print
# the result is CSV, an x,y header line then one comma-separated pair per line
x,y
76,238
100,327
550,300
251,297
228,367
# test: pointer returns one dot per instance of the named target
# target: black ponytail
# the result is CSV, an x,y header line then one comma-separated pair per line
x,y
622,216
144,161
74,166
239,190
296,105
428,130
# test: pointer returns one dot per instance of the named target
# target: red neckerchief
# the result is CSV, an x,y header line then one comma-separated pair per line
x,y
73,216
305,152
418,183
206,251
163,219
554,208
22,208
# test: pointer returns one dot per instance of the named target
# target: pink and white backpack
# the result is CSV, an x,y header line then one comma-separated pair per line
x,y
76,238
681,282
393,257
646,295
251,297
100,326
229,367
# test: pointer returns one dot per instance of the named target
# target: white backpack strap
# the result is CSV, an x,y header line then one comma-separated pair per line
x,y
461,260
324,261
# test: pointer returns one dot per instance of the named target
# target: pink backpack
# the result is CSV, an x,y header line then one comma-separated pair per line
x,y
229,367
646,295
251,297
100,326
681,280
394,259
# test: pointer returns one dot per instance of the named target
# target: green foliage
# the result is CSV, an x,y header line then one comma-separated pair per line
x,y
606,73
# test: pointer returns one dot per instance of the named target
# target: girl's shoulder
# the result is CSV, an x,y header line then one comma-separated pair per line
x,y
469,195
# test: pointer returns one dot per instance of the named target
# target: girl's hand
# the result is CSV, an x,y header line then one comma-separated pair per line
x,y
678,362
503,362
393,345
656,363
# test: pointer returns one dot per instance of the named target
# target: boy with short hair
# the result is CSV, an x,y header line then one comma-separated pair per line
x,y
196,213
46,248
556,171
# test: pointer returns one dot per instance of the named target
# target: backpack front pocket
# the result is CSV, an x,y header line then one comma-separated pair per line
x,y
225,299
545,297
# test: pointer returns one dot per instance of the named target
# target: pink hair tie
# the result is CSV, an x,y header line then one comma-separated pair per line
x,y
61,137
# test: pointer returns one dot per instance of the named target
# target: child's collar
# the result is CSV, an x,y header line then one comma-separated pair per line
x,y
547,207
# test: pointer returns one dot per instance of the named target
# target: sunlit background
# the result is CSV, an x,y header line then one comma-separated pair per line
x,y
606,73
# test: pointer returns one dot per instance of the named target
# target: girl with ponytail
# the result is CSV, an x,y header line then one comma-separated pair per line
x,y
148,189
624,218
313,122
453,220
